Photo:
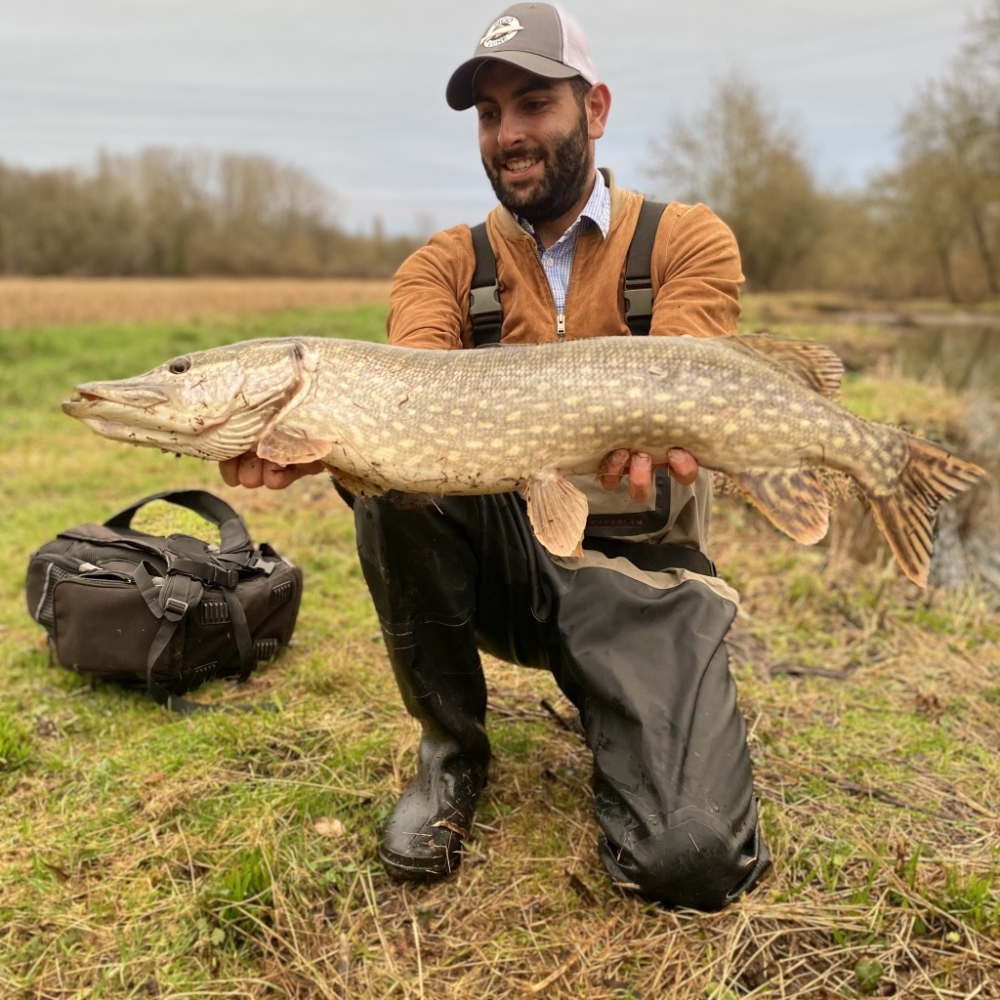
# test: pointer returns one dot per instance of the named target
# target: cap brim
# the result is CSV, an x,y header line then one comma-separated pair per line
x,y
460,94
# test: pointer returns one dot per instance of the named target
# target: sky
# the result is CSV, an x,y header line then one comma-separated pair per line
x,y
354,92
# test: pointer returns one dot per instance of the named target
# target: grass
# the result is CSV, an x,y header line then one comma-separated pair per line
x,y
143,855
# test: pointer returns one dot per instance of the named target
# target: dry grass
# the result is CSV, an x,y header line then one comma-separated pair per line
x,y
29,302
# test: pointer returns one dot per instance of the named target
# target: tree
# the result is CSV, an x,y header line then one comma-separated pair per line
x,y
739,157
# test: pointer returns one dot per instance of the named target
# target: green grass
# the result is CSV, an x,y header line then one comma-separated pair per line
x,y
144,855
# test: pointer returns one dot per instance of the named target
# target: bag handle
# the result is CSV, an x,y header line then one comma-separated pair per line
x,y
232,529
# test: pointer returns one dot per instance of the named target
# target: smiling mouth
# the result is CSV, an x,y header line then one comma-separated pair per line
x,y
519,166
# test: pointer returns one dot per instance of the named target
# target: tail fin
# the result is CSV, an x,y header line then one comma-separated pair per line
x,y
907,514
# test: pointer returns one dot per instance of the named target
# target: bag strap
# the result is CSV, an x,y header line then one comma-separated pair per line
x,y
638,267
485,310
232,530
170,603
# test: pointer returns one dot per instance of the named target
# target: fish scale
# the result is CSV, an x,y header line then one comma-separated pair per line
x,y
525,418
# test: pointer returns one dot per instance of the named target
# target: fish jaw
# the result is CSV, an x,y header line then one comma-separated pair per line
x,y
203,446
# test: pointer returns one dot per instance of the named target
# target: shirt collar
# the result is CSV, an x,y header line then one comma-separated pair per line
x,y
597,211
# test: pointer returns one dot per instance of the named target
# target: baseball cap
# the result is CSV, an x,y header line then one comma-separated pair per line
x,y
538,37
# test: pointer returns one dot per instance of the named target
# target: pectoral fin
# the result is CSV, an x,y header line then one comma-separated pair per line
x,y
288,444
793,500
557,511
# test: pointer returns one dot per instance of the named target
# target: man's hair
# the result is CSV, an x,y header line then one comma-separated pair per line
x,y
580,88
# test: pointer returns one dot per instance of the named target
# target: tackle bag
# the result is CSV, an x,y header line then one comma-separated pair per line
x,y
166,613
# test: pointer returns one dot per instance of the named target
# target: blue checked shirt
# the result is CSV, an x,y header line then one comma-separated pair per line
x,y
557,261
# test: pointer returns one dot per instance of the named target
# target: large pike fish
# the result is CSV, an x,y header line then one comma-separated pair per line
x,y
488,421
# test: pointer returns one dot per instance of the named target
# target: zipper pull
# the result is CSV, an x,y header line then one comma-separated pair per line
x,y
561,326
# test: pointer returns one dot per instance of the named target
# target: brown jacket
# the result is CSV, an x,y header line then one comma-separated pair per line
x,y
695,276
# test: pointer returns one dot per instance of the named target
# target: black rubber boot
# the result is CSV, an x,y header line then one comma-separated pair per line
x,y
422,573
423,837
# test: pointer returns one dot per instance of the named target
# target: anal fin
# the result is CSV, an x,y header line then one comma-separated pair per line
x,y
557,511
793,500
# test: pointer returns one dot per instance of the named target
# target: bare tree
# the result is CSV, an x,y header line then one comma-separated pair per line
x,y
738,156
170,212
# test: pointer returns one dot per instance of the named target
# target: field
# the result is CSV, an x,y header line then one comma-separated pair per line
x,y
33,302
233,855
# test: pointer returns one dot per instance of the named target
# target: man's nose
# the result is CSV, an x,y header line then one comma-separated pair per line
x,y
511,130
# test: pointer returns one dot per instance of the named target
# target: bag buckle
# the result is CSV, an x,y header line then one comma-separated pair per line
x,y
174,608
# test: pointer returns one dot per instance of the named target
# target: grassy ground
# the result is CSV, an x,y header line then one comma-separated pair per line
x,y
143,855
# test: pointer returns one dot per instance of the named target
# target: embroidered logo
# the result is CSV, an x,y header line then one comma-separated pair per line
x,y
502,30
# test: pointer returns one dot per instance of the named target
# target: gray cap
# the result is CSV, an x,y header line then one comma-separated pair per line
x,y
535,36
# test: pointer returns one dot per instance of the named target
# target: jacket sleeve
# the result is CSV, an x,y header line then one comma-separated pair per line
x,y
696,274
427,302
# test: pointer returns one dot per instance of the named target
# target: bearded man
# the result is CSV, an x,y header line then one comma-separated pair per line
x,y
633,631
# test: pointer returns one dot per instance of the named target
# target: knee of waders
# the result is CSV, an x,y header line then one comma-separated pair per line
x,y
693,863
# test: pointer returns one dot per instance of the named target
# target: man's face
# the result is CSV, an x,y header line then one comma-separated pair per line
x,y
535,140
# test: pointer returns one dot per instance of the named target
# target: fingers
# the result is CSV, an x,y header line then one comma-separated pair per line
x,y
637,465
639,468
640,477
230,471
614,468
682,465
252,472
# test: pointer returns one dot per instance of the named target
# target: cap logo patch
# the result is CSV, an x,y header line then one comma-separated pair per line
x,y
501,30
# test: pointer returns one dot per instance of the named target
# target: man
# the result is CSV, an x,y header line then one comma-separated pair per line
x,y
633,631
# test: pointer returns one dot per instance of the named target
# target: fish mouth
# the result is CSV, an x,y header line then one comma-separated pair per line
x,y
144,397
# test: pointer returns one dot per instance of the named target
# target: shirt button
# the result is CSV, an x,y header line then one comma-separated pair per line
x,y
548,262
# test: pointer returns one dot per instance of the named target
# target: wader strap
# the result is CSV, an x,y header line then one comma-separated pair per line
x,y
653,557
485,310
638,264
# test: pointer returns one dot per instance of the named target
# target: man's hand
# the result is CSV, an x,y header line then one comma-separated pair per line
x,y
252,472
639,468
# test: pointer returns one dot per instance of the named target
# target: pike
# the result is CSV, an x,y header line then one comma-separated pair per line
x,y
754,407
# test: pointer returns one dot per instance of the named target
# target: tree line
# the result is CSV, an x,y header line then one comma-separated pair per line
x,y
164,212
928,226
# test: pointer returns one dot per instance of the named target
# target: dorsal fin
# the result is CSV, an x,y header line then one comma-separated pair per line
x,y
814,364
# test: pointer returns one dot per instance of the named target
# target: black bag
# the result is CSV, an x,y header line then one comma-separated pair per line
x,y
169,613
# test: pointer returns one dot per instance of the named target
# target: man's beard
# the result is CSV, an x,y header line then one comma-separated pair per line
x,y
568,168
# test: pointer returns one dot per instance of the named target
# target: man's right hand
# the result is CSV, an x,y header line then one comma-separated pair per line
x,y
252,472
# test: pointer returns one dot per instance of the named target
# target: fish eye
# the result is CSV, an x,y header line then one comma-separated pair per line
x,y
180,366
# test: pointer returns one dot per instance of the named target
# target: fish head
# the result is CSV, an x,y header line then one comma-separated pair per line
x,y
210,404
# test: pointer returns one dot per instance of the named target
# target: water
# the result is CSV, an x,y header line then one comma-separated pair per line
x,y
966,361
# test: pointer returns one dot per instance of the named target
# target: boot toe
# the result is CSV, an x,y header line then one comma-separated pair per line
x,y
433,852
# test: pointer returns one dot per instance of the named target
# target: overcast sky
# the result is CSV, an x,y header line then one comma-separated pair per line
x,y
354,92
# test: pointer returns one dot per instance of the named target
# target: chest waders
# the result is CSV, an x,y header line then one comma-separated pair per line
x,y
636,644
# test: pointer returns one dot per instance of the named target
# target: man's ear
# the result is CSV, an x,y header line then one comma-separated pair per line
x,y
296,433
598,105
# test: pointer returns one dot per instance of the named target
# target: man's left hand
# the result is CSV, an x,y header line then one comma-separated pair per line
x,y
639,468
